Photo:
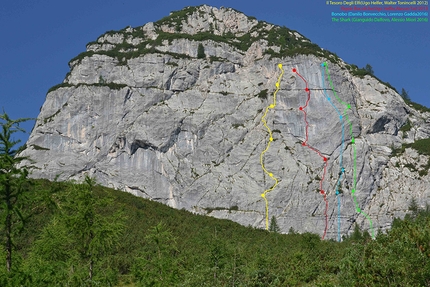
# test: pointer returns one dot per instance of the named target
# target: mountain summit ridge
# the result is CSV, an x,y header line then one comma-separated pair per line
x,y
142,110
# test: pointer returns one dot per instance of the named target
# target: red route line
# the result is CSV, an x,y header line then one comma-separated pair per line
x,y
302,108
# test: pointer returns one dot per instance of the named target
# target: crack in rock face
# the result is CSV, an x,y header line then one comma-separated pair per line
x,y
142,111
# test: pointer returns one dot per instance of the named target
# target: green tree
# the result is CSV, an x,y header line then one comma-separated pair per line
x,y
159,265
404,94
356,235
413,207
79,237
102,80
201,51
13,180
369,69
274,225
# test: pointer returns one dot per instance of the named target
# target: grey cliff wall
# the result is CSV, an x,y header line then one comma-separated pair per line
x,y
187,132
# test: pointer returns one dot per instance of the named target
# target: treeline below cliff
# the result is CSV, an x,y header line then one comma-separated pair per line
x,y
88,235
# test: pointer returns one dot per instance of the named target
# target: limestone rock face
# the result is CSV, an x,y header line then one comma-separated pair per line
x,y
140,112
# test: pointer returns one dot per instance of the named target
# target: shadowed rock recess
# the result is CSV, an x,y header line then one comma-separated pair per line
x,y
141,111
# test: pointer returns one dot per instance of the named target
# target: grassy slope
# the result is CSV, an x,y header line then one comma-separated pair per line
x,y
213,252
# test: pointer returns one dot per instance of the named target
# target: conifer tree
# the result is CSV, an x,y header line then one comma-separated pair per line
x,y
356,235
200,51
79,236
274,225
404,94
159,266
369,69
12,183
413,208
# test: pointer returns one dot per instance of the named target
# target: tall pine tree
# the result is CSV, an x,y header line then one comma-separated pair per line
x,y
274,227
13,178
200,51
72,247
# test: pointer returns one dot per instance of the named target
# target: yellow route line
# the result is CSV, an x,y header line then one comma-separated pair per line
x,y
263,119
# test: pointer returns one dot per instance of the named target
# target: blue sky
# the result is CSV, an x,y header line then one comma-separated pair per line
x,y
39,37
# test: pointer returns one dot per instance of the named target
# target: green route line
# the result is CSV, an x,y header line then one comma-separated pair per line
x,y
345,115
263,119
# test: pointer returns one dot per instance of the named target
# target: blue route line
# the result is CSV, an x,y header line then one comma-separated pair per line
x,y
342,169
344,118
